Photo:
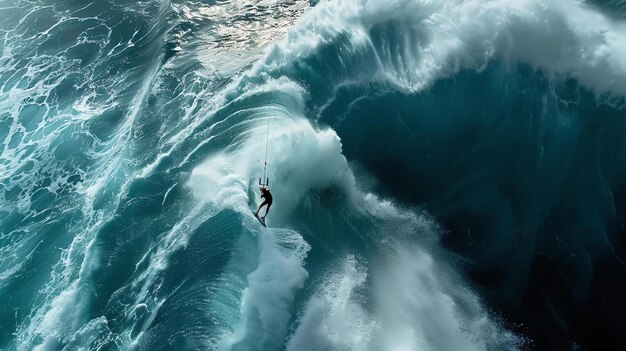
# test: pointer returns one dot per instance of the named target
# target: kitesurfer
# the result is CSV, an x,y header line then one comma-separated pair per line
x,y
265,193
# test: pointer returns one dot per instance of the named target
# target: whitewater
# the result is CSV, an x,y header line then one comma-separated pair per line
x,y
447,175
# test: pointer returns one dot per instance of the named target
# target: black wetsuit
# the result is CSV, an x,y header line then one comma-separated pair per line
x,y
268,200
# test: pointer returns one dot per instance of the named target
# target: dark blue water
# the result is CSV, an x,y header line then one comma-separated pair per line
x,y
447,175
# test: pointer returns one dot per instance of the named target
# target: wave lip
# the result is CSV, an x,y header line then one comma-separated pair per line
x,y
411,44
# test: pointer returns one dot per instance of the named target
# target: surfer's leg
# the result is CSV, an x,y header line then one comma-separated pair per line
x,y
267,210
261,206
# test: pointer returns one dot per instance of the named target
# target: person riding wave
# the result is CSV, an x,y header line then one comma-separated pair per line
x,y
265,193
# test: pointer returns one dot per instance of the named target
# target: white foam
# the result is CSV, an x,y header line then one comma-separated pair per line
x,y
567,38
335,317
301,158
267,303
423,306
416,306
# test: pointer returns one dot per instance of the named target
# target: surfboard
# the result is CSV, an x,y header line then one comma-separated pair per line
x,y
259,219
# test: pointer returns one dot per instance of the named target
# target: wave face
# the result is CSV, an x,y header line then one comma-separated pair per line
x,y
447,175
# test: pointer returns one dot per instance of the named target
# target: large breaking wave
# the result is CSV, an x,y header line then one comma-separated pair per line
x,y
448,175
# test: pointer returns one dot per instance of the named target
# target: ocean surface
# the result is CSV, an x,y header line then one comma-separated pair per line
x,y
447,175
